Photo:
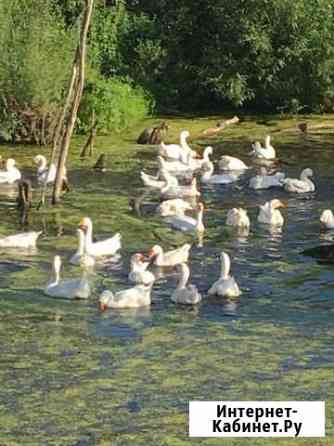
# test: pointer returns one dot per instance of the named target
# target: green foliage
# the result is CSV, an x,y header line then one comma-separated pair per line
x,y
265,53
115,102
36,53
209,54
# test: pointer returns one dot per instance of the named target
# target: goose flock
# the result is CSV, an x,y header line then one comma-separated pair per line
x,y
176,180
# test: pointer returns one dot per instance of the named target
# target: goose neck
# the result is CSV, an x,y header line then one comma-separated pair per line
x,y
225,267
200,225
184,277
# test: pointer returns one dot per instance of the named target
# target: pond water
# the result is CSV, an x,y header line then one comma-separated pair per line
x,y
73,376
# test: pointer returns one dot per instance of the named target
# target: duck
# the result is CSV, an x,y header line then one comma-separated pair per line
x,y
302,185
265,181
68,289
185,294
171,191
270,214
188,224
138,270
25,240
175,206
178,152
45,175
238,217
161,181
227,162
169,258
327,219
81,257
106,247
11,174
137,296
267,152
225,286
209,178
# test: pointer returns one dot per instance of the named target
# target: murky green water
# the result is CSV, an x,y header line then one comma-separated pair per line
x,y
73,376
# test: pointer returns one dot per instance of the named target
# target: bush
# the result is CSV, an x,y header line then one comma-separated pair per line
x,y
115,102
35,60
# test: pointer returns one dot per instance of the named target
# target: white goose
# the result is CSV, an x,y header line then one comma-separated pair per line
x,y
267,152
265,181
170,258
238,217
138,270
174,166
11,174
327,219
302,185
227,162
171,191
175,206
210,178
106,247
187,224
45,175
69,289
178,152
185,294
160,181
81,257
270,214
197,163
137,296
23,240
226,284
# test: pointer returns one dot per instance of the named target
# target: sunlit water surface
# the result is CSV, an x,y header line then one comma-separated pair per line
x,y
71,375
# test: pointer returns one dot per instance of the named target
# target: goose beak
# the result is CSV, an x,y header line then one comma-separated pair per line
x,y
143,258
151,253
103,307
82,225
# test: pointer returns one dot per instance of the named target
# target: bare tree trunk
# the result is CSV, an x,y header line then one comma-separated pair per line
x,y
78,84
59,128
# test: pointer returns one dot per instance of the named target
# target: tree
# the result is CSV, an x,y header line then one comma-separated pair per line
x,y
71,106
31,82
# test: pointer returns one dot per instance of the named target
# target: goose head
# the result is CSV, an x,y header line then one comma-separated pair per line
x,y
306,173
40,160
207,152
139,262
10,164
184,134
155,251
85,224
275,204
104,301
326,216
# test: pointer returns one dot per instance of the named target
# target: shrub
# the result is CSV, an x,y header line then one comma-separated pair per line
x,y
35,59
115,102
